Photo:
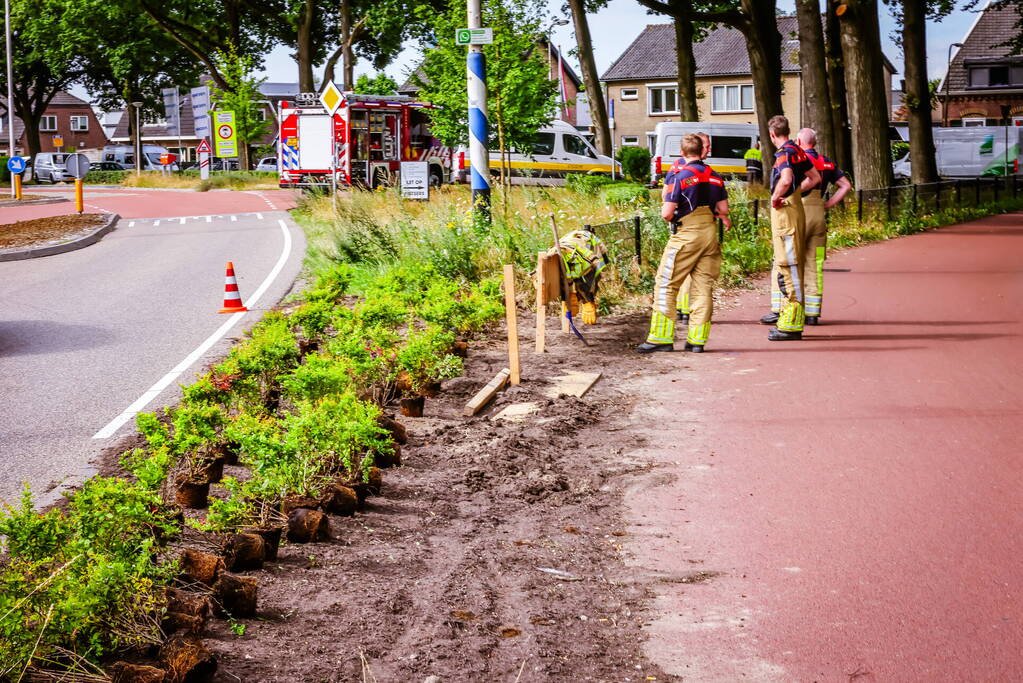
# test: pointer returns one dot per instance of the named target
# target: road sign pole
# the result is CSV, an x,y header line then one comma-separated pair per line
x,y
479,158
10,88
333,163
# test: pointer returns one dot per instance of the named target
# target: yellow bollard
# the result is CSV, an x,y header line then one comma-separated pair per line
x,y
17,185
79,200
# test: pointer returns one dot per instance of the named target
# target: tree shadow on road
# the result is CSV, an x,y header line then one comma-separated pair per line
x,y
36,337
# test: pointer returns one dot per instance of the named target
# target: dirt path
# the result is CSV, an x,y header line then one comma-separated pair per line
x,y
440,576
853,499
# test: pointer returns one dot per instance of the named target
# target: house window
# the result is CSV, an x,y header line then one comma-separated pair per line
x,y
80,123
630,141
663,100
969,123
731,98
48,124
630,93
651,142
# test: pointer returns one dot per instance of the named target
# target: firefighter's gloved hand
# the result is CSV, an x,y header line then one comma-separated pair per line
x,y
590,313
573,304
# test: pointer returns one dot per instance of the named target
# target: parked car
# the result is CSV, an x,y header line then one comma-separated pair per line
x,y
48,167
972,151
125,156
267,164
106,166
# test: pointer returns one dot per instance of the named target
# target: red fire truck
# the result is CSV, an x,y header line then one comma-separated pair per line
x,y
372,135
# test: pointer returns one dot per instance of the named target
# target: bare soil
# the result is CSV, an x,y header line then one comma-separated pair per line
x,y
41,232
442,574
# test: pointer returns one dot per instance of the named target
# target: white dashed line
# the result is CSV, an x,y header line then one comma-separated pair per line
x,y
156,223
259,216
234,218
131,224
209,219
168,379
182,221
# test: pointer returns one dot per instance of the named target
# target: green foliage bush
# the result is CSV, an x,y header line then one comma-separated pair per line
x,y
106,177
635,163
623,194
587,183
899,149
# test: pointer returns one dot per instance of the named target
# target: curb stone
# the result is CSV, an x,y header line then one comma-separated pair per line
x,y
33,202
109,223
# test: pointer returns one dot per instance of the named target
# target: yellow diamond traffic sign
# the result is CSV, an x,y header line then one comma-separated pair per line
x,y
331,98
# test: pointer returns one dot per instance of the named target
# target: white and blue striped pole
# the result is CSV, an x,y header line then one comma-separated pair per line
x,y
479,157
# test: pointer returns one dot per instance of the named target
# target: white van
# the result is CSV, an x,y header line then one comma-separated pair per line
x,y
557,149
125,156
728,143
972,151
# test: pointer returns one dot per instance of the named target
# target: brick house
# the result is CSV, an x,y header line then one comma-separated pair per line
x,y
984,77
67,117
643,81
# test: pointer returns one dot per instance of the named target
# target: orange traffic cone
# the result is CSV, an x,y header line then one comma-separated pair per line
x,y
232,299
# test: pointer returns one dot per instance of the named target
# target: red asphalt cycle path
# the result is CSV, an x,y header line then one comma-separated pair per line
x,y
848,507
131,202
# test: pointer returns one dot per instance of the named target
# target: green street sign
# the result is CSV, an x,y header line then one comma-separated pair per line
x,y
474,36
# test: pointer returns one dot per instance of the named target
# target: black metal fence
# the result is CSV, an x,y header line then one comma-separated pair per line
x,y
885,204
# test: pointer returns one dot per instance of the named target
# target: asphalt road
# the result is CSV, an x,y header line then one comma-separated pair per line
x,y
85,335
848,507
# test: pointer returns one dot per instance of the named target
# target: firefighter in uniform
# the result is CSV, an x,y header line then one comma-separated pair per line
x,y
683,294
694,195
585,258
814,206
792,174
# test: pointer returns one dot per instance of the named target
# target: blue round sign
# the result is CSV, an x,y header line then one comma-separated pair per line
x,y
16,165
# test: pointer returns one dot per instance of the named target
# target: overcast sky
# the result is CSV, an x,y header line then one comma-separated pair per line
x,y
615,27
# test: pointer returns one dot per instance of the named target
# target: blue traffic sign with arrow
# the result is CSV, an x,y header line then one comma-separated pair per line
x,y
16,165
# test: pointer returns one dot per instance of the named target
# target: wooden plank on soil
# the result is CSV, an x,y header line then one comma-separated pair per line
x,y
486,393
573,384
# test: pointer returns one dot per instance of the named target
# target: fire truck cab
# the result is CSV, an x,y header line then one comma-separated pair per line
x,y
369,136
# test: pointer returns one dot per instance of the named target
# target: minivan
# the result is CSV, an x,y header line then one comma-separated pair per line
x,y
728,145
557,149
125,155
48,167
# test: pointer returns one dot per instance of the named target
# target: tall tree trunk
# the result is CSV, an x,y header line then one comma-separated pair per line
x,y
304,38
924,167
816,98
841,152
763,42
347,56
594,94
868,103
687,105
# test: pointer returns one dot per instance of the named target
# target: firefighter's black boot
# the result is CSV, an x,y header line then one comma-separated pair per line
x,y
694,348
812,320
770,319
778,335
647,347
683,317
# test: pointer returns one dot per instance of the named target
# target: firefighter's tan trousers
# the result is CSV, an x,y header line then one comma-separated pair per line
x,y
683,295
788,238
692,251
815,243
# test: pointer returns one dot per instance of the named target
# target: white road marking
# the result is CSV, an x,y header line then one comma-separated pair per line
x,y
182,221
209,219
165,381
234,218
259,216
156,223
131,224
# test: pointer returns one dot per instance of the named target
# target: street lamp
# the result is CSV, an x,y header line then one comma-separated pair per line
x,y
10,88
138,137
948,72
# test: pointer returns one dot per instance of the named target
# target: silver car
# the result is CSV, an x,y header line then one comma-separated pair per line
x,y
267,164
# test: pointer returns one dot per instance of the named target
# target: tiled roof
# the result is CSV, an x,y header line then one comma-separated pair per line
x,y
722,52
995,25
159,130
65,99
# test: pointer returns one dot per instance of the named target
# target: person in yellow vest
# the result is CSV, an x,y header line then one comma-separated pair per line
x,y
694,195
815,203
683,293
754,164
793,173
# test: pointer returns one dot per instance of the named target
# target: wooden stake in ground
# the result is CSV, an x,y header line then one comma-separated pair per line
x,y
486,393
511,315
541,305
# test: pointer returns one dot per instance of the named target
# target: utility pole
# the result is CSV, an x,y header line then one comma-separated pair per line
x,y
10,87
479,157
